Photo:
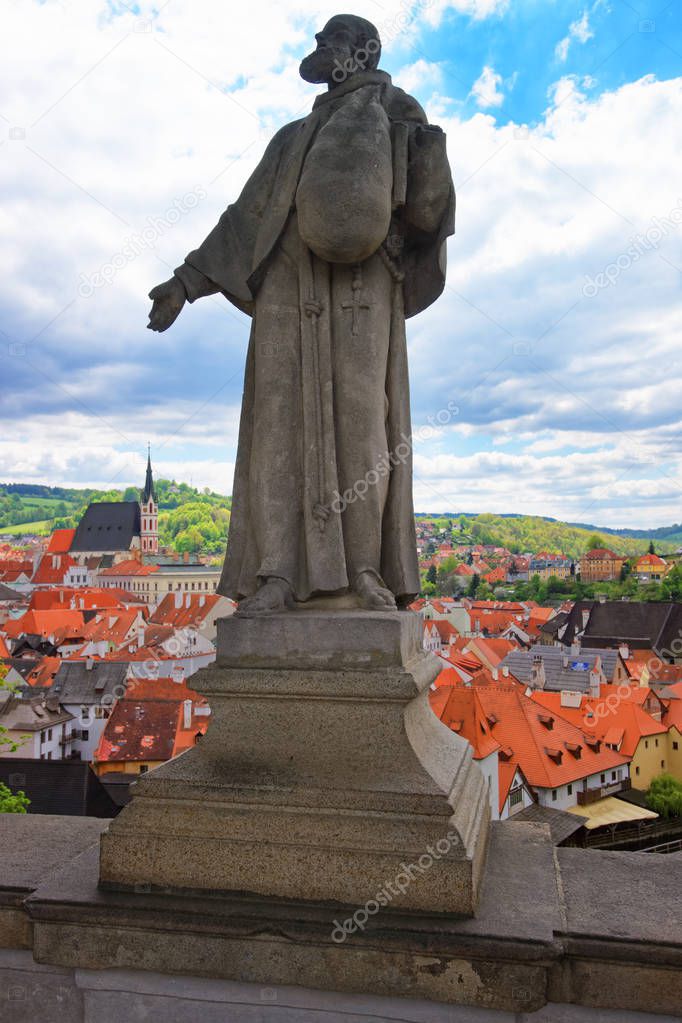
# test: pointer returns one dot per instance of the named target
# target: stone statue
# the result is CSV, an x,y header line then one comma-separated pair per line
x,y
337,237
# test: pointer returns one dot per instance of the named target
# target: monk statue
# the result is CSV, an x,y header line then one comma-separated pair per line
x,y
338,236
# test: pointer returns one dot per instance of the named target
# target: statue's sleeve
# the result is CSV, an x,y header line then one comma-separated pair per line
x,y
430,191
224,260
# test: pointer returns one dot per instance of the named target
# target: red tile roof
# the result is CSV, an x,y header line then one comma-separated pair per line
x,y
193,609
60,541
52,569
541,743
54,625
612,711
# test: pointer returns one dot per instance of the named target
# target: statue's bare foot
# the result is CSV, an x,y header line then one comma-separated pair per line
x,y
274,595
373,596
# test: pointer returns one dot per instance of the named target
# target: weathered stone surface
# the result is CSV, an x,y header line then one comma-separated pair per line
x,y
24,863
308,784
338,640
514,956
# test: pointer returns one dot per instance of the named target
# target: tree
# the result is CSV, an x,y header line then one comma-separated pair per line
x,y
12,802
431,574
473,585
651,547
665,796
594,543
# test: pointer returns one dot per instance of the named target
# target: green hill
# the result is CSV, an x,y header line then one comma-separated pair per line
x,y
533,533
193,520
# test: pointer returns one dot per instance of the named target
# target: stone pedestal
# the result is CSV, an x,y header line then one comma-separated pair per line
x,y
324,776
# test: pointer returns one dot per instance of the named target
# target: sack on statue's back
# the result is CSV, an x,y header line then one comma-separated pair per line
x,y
344,195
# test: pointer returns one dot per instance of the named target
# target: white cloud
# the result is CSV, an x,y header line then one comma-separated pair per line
x,y
121,123
578,30
420,78
486,89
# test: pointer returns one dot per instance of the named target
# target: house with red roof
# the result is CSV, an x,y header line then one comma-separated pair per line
x,y
199,611
52,570
650,568
626,719
155,721
559,763
600,565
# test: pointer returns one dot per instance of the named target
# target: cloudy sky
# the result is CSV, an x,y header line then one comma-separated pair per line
x,y
125,129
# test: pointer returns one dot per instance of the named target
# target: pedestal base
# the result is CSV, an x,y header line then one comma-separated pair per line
x,y
324,776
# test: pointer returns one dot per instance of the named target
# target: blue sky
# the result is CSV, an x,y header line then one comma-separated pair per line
x,y
126,129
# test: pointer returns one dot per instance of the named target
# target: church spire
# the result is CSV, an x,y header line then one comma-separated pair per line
x,y
149,492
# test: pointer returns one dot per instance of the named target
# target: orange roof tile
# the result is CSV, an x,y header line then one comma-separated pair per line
x,y
531,734
60,541
610,713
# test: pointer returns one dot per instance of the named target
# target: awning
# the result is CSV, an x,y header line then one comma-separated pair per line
x,y
611,811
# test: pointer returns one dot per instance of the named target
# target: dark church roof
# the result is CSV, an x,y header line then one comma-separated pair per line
x,y
108,526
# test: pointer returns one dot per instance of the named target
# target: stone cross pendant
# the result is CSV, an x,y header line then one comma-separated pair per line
x,y
356,305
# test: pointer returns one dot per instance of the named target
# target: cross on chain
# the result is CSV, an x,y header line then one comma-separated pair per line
x,y
356,305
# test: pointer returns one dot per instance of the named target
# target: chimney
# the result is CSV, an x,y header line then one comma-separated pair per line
x,y
140,635
624,651
537,673
595,682
495,674
586,617
505,671
187,713
185,557
89,663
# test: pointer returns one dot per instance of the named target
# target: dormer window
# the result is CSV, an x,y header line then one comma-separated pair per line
x,y
547,720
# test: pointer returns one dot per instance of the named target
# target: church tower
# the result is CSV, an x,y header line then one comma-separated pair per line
x,y
149,514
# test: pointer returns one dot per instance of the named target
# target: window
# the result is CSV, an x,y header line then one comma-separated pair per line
x,y
554,795
569,789
646,744
49,756
143,768
676,745
515,796
603,778
636,770
85,735
663,764
613,775
656,741
49,734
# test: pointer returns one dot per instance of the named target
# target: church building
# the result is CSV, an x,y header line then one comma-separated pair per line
x,y
120,527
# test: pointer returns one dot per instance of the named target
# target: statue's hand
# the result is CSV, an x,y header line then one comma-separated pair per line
x,y
168,299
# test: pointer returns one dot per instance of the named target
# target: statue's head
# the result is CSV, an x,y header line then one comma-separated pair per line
x,y
345,45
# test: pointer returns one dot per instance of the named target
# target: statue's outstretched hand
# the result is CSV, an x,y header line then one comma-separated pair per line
x,y
168,299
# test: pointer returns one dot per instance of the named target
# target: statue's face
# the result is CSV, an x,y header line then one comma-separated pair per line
x,y
336,44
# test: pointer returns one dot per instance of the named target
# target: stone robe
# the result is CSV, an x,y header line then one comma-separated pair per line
x,y
323,479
